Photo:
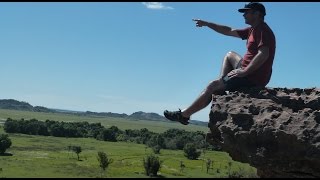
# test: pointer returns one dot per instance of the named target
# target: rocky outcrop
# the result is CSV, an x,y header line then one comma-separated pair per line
x,y
275,130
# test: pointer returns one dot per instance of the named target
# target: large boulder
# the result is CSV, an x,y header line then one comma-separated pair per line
x,y
275,130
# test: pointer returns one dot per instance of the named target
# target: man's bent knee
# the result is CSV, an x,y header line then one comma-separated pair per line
x,y
233,58
215,86
231,54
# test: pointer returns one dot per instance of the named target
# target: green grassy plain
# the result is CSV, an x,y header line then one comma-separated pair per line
x,y
47,156
41,156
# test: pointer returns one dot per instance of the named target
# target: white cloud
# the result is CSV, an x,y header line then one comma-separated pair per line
x,y
156,5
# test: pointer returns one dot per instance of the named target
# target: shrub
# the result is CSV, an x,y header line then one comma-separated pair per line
x,y
191,152
156,149
104,161
151,165
76,149
5,143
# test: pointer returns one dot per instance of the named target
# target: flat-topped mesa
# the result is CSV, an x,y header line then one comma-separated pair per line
x,y
275,130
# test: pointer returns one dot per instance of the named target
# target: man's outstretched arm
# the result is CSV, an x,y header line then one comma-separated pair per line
x,y
217,27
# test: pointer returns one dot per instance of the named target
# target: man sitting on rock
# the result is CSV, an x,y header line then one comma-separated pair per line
x,y
253,70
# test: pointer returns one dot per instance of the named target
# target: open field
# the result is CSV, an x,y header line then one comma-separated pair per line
x,y
121,123
41,156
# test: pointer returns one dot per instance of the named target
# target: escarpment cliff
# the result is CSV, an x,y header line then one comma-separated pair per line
x,y
275,130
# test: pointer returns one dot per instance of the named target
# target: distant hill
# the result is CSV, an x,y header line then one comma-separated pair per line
x,y
16,105
149,116
20,105
24,106
106,114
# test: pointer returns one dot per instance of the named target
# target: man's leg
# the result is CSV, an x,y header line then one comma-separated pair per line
x,y
230,62
205,98
201,102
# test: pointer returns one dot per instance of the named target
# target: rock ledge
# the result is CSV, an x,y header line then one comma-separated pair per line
x,y
275,130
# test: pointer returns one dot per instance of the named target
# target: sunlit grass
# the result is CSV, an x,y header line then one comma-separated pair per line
x,y
47,156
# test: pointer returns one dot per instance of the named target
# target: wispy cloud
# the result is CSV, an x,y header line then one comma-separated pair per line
x,y
156,5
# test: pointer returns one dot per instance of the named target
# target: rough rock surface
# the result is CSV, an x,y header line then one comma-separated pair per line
x,y
275,130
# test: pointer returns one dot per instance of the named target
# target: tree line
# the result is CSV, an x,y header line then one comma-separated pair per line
x,y
175,139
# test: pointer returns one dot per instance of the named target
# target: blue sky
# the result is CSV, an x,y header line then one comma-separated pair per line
x,y
128,57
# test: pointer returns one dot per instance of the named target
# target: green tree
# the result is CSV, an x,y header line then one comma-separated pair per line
x,y
151,165
5,143
191,152
104,161
156,149
107,135
182,166
156,142
77,150
11,126
209,164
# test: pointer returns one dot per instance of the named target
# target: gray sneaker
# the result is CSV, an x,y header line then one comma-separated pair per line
x,y
176,116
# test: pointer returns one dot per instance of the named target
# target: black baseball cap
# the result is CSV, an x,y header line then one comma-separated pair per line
x,y
254,6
